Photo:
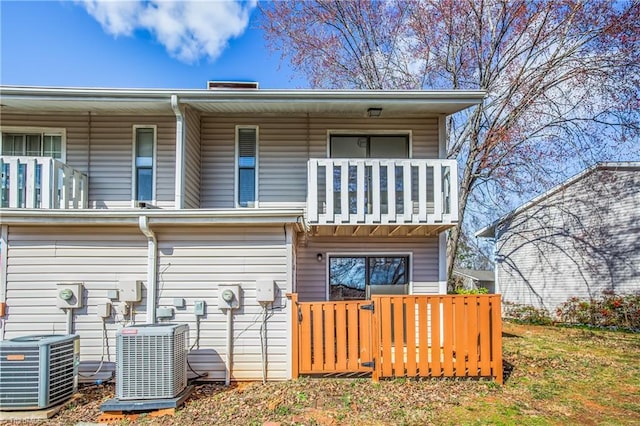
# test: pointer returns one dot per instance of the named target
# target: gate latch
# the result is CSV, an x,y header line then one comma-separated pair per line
x,y
369,364
367,307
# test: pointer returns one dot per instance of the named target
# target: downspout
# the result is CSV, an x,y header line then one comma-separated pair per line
x,y
152,268
180,146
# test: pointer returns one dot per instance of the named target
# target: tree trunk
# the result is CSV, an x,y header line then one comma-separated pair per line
x,y
454,235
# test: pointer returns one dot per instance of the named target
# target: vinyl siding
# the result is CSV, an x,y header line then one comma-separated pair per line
x,y
98,257
311,275
577,243
101,147
192,262
192,160
285,145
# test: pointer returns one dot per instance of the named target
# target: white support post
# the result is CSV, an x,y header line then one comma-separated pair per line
x,y
30,176
375,191
330,213
391,189
67,182
77,176
422,192
14,188
46,184
437,193
453,190
55,178
312,191
407,192
360,185
84,202
344,191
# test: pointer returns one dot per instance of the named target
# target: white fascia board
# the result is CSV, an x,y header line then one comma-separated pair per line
x,y
156,217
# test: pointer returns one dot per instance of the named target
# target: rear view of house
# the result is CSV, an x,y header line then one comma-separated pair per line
x,y
143,206
576,240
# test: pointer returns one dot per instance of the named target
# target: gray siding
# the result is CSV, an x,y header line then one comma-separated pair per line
x,y
192,160
193,261
311,275
101,146
285,145
578,242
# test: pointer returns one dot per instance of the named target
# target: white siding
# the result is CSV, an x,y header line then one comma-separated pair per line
x,y
192,160
577,243
101,146
193,261
39,258
285,146
312,275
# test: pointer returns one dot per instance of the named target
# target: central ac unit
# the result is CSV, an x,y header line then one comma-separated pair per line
x,y
151,361
38,371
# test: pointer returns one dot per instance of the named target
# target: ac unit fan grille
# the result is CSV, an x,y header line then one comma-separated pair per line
x,y
20,380
61,377
151,365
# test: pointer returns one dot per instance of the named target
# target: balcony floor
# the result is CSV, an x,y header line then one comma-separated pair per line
x,y
390,230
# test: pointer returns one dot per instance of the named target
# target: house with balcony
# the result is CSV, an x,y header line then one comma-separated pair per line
x,y
154,200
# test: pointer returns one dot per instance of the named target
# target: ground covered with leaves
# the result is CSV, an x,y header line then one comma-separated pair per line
x,y
554,375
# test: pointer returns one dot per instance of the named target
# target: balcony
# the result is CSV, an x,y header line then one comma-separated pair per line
x,y
41,183
382,192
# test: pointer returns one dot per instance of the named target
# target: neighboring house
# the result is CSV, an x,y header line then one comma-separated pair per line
x,y
473,279
328,194
576,240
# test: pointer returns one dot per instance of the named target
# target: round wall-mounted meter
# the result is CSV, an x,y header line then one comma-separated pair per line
x,y
227,295
65,294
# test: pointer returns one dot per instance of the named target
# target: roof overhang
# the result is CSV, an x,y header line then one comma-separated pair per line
x,y
161,217
153,101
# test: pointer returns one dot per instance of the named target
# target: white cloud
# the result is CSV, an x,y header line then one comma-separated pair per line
x,y
189,30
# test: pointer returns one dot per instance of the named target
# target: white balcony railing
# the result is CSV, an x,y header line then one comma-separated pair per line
x,y
370,192
41,183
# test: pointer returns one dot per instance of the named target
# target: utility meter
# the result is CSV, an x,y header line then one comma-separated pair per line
x,y
69,295
228,296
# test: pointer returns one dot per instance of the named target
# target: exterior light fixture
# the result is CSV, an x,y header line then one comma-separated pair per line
x,y
374,112
319,256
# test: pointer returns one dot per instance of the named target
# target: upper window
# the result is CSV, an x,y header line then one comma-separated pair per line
x,y
33,144
358,277
369,146
144,152
247,148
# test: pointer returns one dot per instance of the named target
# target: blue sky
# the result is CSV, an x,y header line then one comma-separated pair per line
x,y
124,44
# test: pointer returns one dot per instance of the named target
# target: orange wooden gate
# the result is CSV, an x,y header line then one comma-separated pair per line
x,y
400,336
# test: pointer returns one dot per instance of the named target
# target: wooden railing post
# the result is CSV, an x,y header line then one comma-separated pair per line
x,y
295,337
496,338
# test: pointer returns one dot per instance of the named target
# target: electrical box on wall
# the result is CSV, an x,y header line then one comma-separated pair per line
x,y
199,307
103,310
69,295
265,290
228,296
130,290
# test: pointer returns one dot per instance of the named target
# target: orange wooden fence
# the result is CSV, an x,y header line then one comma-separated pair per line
x,y
400,336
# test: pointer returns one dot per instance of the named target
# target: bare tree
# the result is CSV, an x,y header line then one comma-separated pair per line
x,y
562,78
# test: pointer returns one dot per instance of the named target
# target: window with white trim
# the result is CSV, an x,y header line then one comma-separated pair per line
x,y
247,165
144,162
358,277
33,144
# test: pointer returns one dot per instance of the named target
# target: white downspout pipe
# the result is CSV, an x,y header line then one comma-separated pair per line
x,y
152,268
229,347
180,147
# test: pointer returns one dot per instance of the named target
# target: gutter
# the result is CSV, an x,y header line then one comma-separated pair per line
x,y
152,268
180,147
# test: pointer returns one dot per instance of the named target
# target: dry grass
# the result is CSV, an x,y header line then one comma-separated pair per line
x,y
555,376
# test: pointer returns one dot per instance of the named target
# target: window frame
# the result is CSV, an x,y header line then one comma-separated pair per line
x,y
134,168
42,131
236,186
367,133
366,255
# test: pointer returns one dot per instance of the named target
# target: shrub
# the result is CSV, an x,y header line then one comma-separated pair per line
x,y
526,313
607,310
479,290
